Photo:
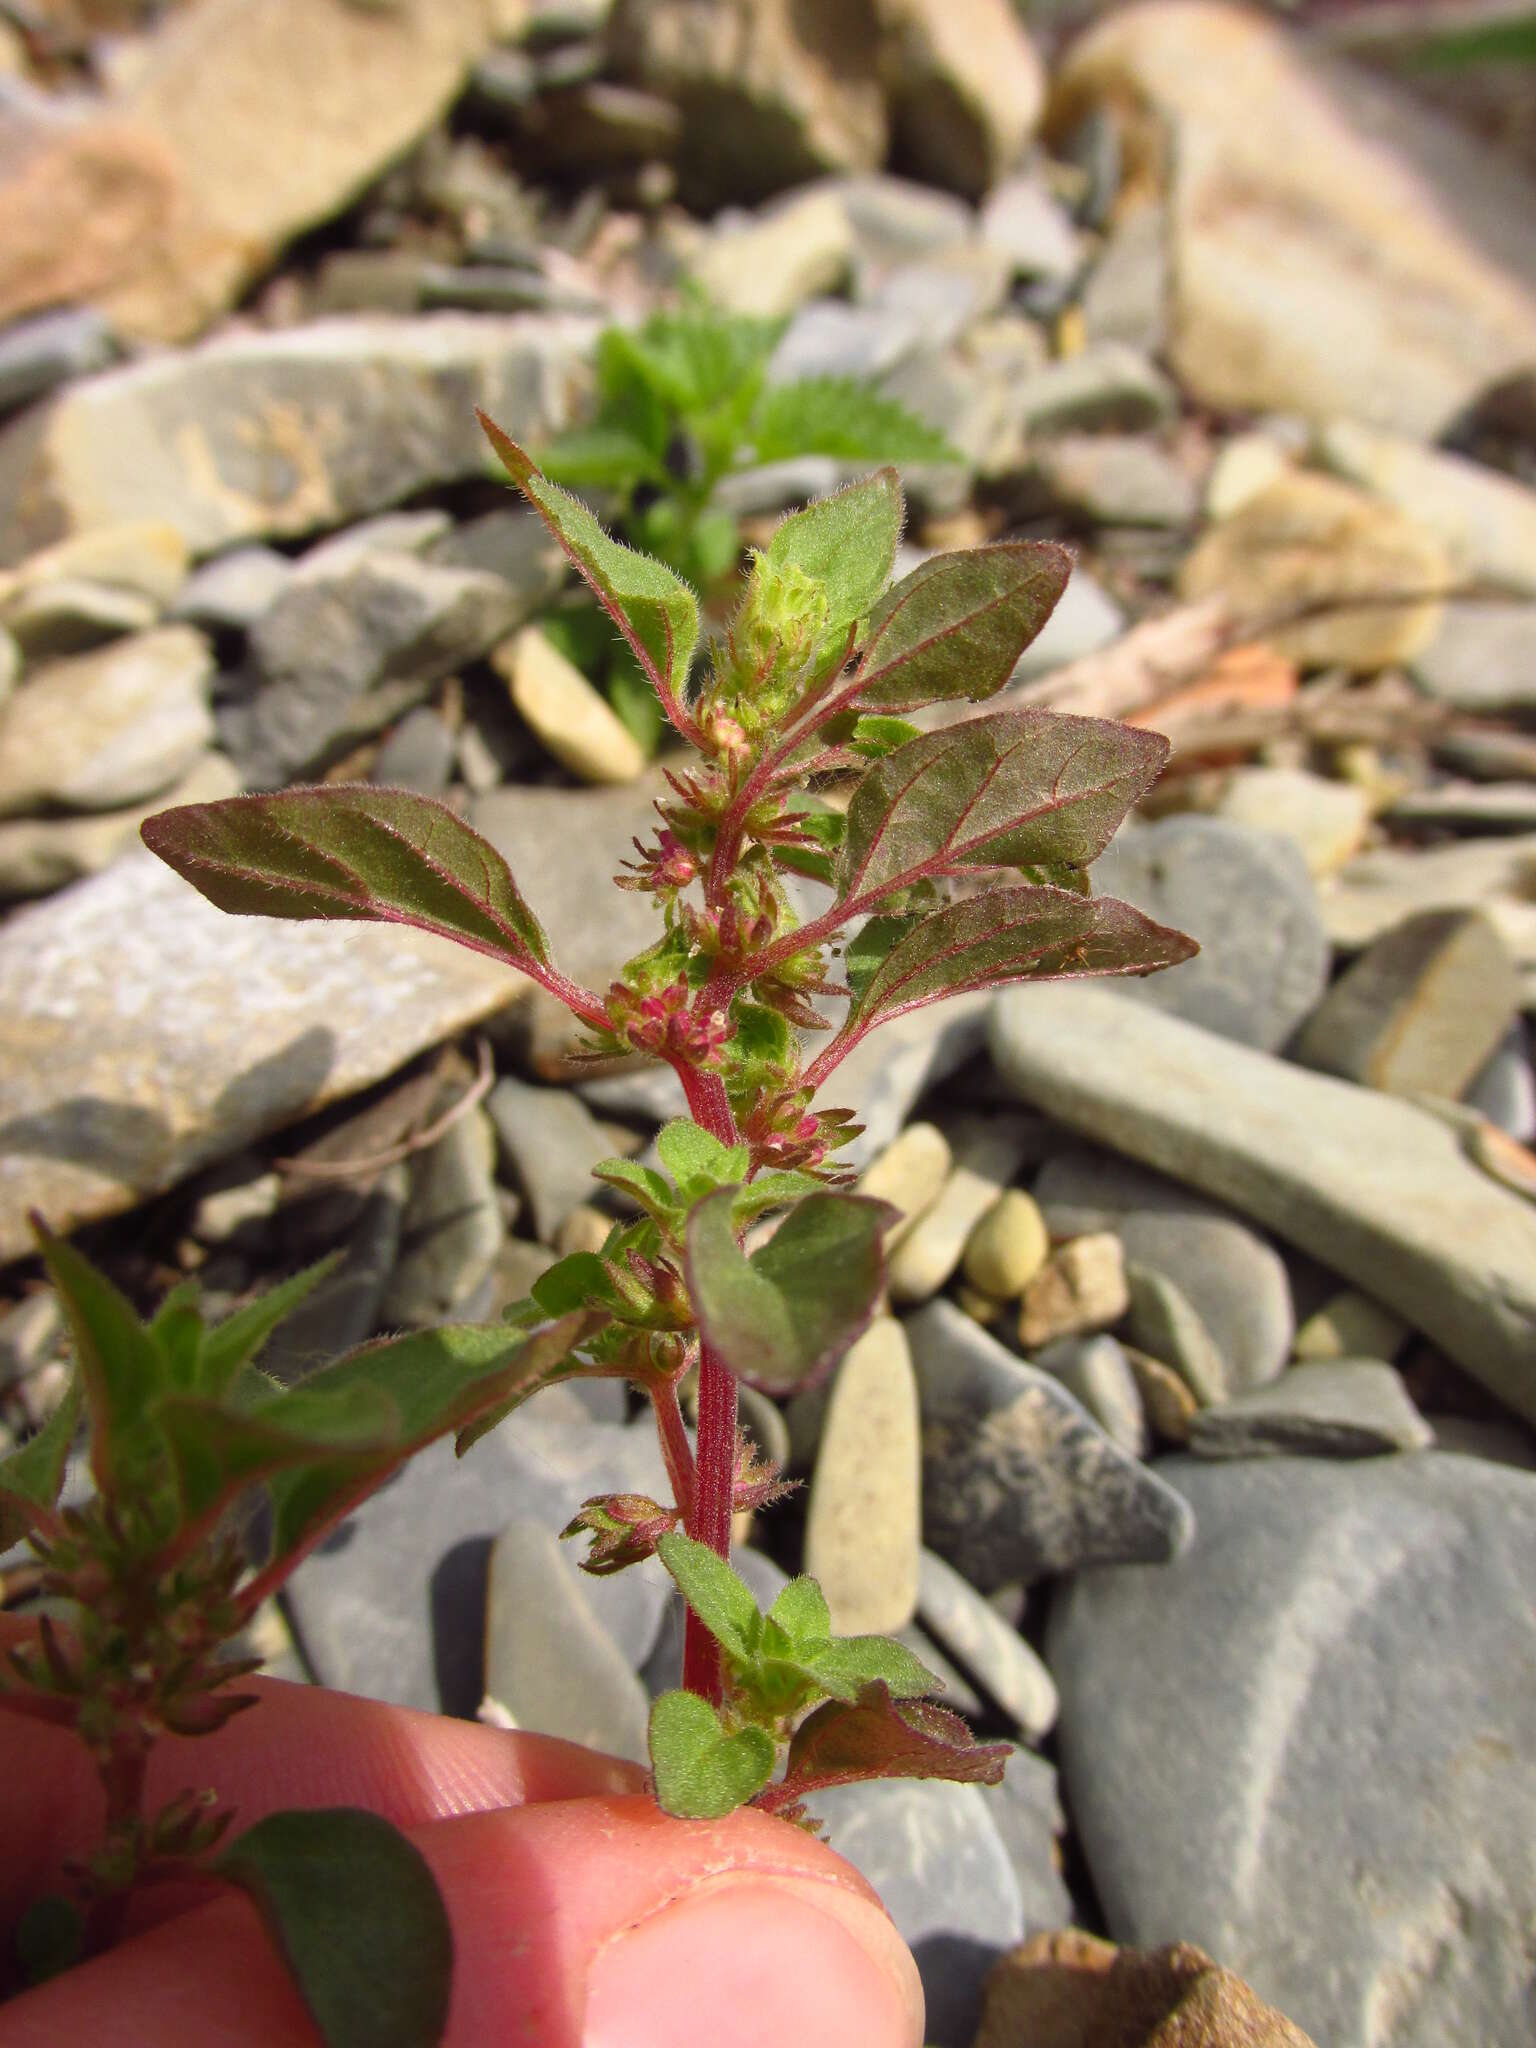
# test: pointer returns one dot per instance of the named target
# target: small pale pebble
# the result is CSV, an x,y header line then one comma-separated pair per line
x,y
1170,1404
1247,464
584,1229
1082,1287
1008,1246
568,716
930,1252
1350,1325
863,1522
908,1174
981,1308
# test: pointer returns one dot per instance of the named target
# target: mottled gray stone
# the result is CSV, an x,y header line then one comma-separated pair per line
x,y
1504,1088
1232,1278
933,1853
392,1605
1026,1811
452,1228
1105,386
1018,1480
107,728
175,1034
261,433
1354,1830
343,1310
994,1654
1097,1371
341,655
41,854
1117,480
68,614
1375,1188
1162,1321
1031,228
50,348
1248,899
230,593
552,1142
418,754
550,1664
1481,658
1338,1408
829,338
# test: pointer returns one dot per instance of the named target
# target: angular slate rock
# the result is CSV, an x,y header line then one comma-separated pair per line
x,y
392,1604
933,1853
1376,1189
1233,1279
989,1649
1097,1371
1247,897
1346,1408
1354,1830
552,1142
1018,1480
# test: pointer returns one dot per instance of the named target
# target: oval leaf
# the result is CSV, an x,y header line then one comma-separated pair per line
x,y
957,625
846,543
1030,933
785,1316
655,611
718,1595
351,851
1000,791
357,1917
701,1772
879,1737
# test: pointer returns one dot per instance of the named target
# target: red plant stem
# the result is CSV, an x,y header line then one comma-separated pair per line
x,y
675,1447
709,1517
122,1780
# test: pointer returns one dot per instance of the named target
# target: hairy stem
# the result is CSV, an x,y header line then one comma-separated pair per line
x,y
709,1516
676,1450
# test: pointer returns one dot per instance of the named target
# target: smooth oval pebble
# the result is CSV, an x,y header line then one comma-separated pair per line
x,y
1008,1246
863,1527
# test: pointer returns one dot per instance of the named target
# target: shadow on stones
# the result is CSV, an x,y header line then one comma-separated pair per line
x,y
456,1602
954,1971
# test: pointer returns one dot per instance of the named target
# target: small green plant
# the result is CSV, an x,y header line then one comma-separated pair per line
x,y
958,863
682,403
142,1590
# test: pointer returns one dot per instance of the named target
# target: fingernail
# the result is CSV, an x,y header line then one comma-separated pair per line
x,y
758,1962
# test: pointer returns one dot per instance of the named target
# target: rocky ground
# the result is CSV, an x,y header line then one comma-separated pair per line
x,y
1197,1444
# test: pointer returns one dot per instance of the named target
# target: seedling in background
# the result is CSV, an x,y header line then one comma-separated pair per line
x,y
959,863
144,1588
682,403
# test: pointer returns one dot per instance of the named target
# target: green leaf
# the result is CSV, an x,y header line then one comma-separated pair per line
x,y
703,1772
875,737
845,543
957,625
351,851
718,1596
1011,787
578,1281
33,1476
696,1160
759,1054
787,1314
652,1190
122,1369
357,1916
846,1664
693,359
801,1611
1030,933
655,611
879,1737
843,417
229,1347
607,457
774,1190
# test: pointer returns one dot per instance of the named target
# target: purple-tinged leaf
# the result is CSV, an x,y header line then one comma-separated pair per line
x,y
351,851
32,1478
655,611
785,1316
957,625
879,1737
357,1917
1030,933
1001,791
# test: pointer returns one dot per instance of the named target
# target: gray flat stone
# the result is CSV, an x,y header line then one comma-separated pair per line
x,y
261,433
1026,1811
1085,620
933,1853
1354,1830
552,1142
1234,1279
550,1664
1341,1408
418,754
994,1654
50,348
234,590
1163,1322
1504,1088
392,1605
1376,1189
1480,658
452,1228
1097,1372
1248,899
1018,1480
175,1034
